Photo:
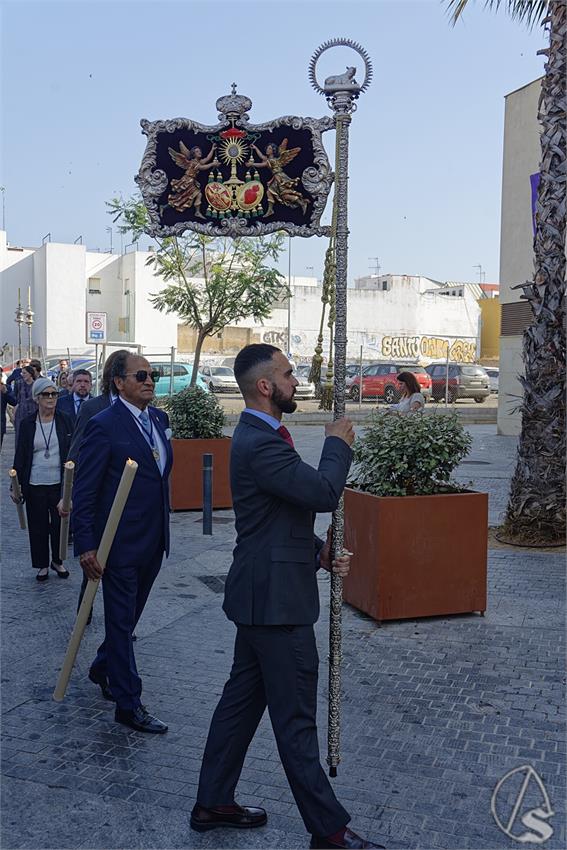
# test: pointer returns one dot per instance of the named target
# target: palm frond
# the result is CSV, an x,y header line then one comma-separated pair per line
x,y
528,11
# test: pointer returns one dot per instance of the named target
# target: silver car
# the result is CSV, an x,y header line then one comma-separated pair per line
x,y
220,379
493,374
305,389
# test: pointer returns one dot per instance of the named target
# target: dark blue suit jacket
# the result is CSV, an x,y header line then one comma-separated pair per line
x,y
273,577
110,438
66,404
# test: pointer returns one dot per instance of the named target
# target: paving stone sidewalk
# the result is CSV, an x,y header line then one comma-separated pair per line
x,y
435,711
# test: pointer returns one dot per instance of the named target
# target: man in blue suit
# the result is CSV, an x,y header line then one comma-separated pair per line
x,y
71,403
271,595
130,428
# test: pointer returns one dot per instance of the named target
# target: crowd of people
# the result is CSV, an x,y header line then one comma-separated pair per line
x,y
271,592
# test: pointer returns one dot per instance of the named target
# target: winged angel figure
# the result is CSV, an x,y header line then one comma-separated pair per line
x,y
281,187
186,190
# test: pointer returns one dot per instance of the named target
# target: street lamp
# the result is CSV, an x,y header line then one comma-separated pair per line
x,y
20,319
28,318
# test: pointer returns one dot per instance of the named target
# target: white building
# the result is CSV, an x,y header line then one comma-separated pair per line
x,y
407,318
521,161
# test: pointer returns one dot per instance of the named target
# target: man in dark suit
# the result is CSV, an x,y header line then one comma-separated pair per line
x,y
271,594
130,428
72,402
87,410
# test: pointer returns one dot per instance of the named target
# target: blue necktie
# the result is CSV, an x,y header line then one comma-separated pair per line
x,y
144,420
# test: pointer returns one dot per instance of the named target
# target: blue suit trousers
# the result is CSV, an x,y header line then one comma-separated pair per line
x,y
125,590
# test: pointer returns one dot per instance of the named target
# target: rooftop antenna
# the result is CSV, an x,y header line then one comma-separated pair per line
x,y
481,273
376,266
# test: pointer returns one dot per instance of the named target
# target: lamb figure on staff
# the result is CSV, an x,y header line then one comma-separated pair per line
x,y
341,82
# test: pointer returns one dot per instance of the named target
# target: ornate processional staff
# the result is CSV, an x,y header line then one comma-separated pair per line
x,y
238,179
341,93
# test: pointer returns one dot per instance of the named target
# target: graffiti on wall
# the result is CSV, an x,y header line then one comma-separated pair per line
x,y
430,347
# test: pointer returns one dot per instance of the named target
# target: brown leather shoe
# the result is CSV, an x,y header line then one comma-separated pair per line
x,y
237,817
350,840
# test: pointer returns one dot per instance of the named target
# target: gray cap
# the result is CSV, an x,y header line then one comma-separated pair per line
x,y
41,384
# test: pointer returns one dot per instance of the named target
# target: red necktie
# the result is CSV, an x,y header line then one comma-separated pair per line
x,y
283,432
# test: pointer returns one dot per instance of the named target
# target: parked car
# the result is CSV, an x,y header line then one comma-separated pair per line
x,y
351,372
379,380
305,389
220,379
181,377
493,374
303,370
466,380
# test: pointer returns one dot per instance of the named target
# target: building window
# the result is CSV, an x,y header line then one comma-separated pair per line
x,y
384,286
127,286
94,286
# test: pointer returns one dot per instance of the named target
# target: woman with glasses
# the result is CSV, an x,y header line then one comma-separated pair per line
x,y
41,450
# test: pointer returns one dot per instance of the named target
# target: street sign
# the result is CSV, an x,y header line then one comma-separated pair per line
x,y
96,328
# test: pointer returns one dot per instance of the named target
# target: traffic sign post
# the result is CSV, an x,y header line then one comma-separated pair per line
x,y
96,328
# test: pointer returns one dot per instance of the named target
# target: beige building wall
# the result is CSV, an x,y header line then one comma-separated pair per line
x,y
521,159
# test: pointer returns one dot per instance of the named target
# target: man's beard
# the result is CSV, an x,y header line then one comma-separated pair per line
x,y
286,405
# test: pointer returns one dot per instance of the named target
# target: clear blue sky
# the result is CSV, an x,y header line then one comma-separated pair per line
x,y
426,141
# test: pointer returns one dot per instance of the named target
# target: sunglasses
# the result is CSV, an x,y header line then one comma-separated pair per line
x,y
49,395
142,375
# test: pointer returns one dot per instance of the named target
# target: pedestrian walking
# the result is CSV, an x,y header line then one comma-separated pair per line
x,y
6,398
271,595
26,404
130,428
43,442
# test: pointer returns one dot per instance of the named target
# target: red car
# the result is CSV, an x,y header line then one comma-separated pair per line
x,y
379,381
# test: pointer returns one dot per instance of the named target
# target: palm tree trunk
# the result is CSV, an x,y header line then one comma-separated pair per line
x,y
536,507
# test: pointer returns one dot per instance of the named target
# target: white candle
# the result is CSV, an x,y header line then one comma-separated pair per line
x,y
18,494
69,471
130,469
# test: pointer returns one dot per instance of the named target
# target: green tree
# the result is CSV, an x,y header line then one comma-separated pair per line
x,y
212,282
536,505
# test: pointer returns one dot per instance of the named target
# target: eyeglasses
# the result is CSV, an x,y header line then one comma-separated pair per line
x,y
142,375
49,395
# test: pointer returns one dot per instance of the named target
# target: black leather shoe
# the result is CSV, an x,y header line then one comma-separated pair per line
x,y
102,681
60,570
238,817
350,839
140,720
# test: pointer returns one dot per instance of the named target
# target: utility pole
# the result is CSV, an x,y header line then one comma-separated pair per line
x,y
289,298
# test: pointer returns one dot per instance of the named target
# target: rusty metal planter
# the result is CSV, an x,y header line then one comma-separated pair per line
x,y
416,556
186,480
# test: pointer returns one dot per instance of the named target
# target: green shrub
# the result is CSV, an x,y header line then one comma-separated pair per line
x,y
409,455
195,414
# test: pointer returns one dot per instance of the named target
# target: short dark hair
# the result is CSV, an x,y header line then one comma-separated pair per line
x,y
248,359
36,365
411,382
77,372
30,370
